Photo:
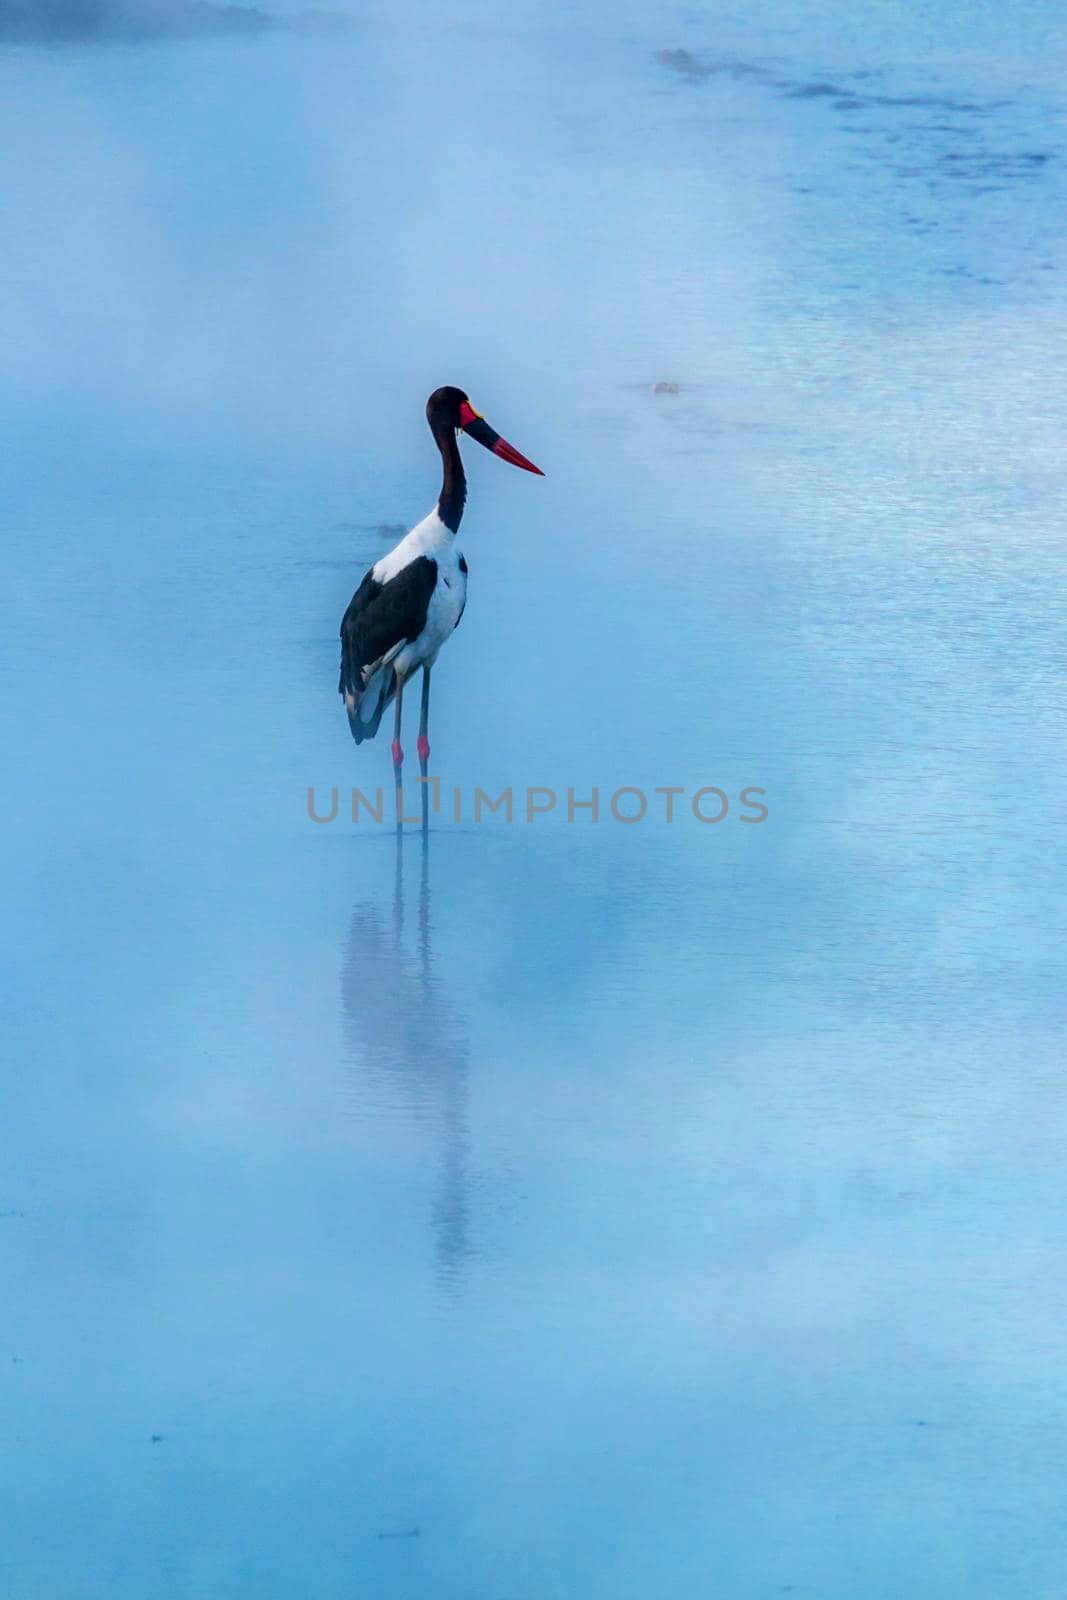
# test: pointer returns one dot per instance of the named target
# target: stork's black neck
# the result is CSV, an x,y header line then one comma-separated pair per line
x,y
454,483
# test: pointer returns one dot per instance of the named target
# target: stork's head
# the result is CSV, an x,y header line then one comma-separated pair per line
x,y
450,408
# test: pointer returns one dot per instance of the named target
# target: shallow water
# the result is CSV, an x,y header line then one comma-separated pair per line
x,y
630,1209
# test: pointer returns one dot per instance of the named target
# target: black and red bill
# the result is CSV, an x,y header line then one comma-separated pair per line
x,y
508,452
479,430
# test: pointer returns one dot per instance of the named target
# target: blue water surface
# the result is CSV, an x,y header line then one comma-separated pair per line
x,y
555,1208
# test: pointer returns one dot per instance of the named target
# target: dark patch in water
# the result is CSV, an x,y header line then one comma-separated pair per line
x,y
813,91
382,530
933,102
87,21
688,66
974,167
681,61
321,564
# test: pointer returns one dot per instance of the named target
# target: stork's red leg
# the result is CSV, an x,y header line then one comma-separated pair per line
x,y
398,756
424,747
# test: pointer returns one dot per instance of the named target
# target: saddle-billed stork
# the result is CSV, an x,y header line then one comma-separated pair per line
x,y
413,598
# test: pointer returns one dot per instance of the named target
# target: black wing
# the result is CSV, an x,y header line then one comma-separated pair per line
x,y
381,615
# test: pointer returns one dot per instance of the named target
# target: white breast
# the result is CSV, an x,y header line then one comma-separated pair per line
x,y
446,604
430,538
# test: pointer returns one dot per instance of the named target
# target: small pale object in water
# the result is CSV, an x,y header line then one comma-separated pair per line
x,y
664,388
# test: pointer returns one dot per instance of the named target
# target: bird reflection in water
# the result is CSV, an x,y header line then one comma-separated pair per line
x,y
410,1045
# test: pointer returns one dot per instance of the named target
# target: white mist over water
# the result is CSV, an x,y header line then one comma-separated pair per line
x,y
627,1209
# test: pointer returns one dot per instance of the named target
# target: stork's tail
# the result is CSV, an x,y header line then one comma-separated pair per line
x,y
365,708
